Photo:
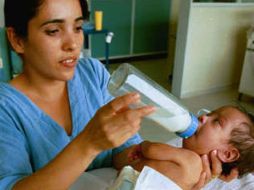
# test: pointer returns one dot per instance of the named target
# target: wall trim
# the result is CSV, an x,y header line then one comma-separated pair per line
x,y
189,94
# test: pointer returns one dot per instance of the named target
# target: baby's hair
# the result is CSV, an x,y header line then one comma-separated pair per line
x,y
242,138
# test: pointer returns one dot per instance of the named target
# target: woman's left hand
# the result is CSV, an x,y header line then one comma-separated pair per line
x,y
212,168
216,166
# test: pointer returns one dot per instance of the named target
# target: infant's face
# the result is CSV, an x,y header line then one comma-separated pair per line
x,y
214,130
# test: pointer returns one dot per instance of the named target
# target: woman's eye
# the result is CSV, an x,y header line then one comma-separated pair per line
x,y
79,29
52,32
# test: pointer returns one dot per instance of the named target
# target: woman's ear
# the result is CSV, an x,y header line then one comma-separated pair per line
x,y
16,41
228,154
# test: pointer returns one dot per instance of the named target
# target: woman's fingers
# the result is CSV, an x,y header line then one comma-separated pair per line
x,y
120,103
115,123
216,164
212,168
206,167
233,175
207,173
128,123
201,183
217,168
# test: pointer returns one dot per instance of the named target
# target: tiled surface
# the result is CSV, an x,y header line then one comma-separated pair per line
x,y
157,70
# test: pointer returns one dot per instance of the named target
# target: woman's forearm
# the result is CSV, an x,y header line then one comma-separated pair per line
x,y
63,170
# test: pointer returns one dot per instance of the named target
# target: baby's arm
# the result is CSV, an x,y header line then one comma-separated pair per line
x,y
180,165
160,151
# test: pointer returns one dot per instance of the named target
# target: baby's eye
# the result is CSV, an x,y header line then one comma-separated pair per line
x,y
209,114
216,121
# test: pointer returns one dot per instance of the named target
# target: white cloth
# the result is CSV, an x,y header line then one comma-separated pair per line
x,y
147,179
150,179
126,179
245,183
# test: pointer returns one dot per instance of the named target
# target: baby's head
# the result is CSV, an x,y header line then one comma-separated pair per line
x,y
230,131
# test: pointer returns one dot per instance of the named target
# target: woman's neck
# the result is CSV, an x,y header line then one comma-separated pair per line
x,y
41,88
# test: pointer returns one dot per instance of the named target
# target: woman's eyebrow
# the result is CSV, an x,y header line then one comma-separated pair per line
x,y
60,21
79,18
52,21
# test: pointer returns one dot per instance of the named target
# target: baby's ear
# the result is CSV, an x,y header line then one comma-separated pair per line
x,y
228,154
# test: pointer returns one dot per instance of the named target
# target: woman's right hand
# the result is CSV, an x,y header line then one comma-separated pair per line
x,y
115,123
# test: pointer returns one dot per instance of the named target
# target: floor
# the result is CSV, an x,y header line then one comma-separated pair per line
x,y
158,71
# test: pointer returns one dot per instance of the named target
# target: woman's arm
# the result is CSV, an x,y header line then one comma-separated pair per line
x,y
112,125
62,171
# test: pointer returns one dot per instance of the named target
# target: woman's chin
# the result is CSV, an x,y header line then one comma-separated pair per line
x,y
67,76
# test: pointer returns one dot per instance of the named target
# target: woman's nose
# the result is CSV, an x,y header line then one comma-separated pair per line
x,y
70,42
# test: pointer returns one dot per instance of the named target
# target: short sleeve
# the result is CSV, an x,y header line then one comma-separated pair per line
x,y
93,70
14,157
104,77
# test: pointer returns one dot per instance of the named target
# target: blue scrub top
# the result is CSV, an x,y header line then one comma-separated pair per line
x,y
29,138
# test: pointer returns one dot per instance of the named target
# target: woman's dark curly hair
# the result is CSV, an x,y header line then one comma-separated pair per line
x,y
19,12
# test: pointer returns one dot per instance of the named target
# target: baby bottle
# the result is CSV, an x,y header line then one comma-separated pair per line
x,y
169,112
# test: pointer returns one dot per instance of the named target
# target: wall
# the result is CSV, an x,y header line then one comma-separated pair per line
x,y
214,47
173,18
140,27
1,13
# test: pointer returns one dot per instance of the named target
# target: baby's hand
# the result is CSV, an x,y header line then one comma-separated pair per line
x,y
135,154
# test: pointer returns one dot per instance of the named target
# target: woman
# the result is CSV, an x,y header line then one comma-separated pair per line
x,y
56,118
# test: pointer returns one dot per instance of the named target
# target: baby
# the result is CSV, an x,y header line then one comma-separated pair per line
x,y
227,132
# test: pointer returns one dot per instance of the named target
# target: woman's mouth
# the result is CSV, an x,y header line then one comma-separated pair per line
x,y
69,62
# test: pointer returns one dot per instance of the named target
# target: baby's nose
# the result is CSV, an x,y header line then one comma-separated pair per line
x,y
202,119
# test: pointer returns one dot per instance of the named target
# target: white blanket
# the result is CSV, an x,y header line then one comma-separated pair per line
x,y
245,183
147,179
150,179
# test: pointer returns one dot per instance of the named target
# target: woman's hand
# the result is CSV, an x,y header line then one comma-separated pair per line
x,y
216,166
115,123
212,168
